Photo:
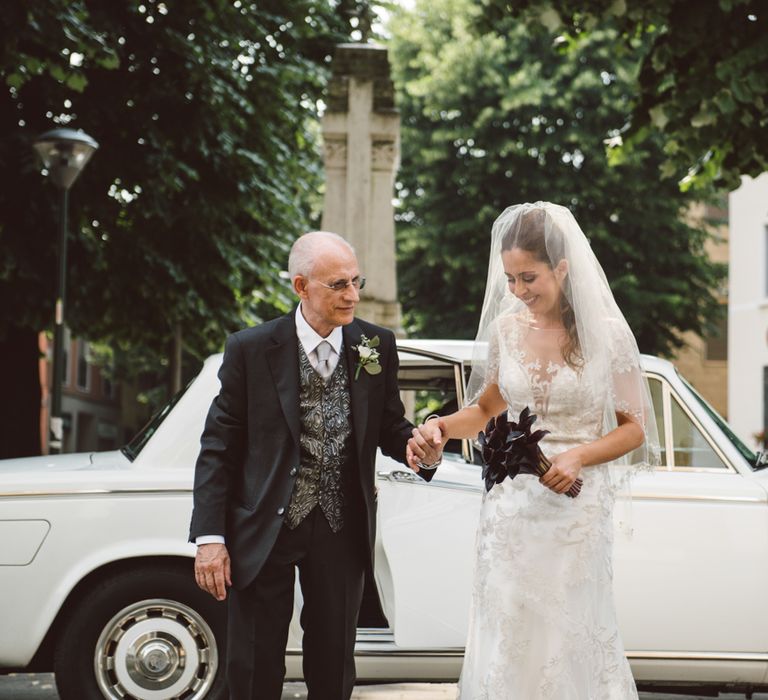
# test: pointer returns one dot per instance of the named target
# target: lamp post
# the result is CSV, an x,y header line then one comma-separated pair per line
x,y
64,153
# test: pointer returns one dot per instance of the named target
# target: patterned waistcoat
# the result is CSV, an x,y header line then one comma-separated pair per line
x,y
326,431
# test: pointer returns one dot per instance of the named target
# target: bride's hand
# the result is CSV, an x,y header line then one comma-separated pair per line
x,y
563,472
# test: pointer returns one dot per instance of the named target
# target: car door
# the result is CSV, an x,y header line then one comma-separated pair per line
x,y
426,532
691,554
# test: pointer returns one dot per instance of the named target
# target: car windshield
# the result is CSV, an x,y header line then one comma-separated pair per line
x,y
136,445
738,444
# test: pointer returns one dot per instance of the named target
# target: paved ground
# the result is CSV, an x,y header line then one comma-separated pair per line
x,y
41,687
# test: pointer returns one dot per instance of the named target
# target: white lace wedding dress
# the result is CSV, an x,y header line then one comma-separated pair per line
x,y
542,623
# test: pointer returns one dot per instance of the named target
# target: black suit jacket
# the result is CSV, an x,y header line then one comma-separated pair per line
x,y
249,453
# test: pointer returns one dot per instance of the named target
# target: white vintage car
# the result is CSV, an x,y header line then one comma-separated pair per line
x,y
96,572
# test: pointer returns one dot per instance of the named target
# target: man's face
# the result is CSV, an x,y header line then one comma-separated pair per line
x,y
324,308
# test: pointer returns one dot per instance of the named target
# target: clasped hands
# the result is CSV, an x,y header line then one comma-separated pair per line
x,y
426,445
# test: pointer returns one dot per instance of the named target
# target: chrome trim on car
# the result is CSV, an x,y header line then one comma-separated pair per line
x,y
635,655
92,492
433,653
655,655
697,656
687,497
669,439
404,475
456,485
429,354
442,653
376,634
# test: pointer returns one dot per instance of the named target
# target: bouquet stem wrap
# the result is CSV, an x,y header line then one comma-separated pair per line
x,y
511,448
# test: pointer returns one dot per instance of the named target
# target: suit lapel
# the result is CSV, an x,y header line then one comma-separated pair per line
x,y
283,360
358,388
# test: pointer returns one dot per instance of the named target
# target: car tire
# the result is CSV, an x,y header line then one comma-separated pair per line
x,y
146,633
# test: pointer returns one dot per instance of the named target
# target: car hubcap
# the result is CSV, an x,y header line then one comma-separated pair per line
x,y
154,656
156,650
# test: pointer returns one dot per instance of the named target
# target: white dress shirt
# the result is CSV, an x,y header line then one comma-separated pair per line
x,y
309,339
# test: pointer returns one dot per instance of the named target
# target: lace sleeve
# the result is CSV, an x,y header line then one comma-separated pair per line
x,y
630,395
492,363
629,389
485,365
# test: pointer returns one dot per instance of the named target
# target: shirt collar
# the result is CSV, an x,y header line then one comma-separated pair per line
x,y
310,338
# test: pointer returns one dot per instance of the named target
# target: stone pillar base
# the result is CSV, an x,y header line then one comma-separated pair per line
x,y
382,313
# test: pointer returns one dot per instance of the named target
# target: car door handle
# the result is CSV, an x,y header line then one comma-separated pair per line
x,y
399,475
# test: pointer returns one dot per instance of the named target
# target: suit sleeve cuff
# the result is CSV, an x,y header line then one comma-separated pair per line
x,y
209,539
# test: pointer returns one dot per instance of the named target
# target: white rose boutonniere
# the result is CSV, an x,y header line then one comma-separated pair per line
x,y
367,356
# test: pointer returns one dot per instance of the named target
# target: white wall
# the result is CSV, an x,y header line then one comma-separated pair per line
x,y
748,306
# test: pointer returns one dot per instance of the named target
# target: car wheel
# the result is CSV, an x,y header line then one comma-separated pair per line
x,y
149,634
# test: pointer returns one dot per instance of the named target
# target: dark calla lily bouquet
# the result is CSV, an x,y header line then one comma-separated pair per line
x,y
511,448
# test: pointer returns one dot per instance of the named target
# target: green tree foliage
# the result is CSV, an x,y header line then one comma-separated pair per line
x,y
205,112
703,82
497,117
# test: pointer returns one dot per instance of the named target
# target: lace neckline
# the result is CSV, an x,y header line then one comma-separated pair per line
x,y
541,363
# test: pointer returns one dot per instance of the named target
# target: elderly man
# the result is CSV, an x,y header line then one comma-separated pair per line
x,y
285,476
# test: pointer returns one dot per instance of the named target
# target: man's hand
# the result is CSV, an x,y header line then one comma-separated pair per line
x,y
212,570
426,445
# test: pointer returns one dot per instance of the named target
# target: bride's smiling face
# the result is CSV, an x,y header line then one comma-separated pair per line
x,y
534,282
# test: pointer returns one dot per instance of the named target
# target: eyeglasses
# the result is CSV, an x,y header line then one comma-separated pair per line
x,y
341,285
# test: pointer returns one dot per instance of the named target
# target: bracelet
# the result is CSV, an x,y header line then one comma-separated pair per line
x,y
436,464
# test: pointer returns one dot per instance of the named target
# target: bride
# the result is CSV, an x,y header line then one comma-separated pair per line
x,y
551,337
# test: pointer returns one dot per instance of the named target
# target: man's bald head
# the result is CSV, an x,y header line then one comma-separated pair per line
x,y
307,249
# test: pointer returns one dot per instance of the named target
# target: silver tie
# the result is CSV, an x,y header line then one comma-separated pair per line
x,y
323,353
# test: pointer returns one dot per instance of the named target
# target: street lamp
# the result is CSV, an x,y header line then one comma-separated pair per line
x,y
64,153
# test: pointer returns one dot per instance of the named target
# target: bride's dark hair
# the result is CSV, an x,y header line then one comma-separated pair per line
x,y
530,234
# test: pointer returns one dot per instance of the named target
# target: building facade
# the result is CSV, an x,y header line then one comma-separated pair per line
x,y
703,360
748,310
90,401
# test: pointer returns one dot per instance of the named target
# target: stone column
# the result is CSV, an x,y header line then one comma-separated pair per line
x,y
361,136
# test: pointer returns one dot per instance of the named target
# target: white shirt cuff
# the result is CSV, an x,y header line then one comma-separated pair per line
x,y
209,539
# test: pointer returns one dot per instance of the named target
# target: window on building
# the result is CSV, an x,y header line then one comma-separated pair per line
x,y
107,387
83,368
717,342
106,374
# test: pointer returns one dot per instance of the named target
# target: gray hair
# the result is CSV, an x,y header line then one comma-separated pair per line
x,y
307,247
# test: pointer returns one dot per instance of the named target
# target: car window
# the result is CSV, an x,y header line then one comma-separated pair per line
x,y
691,449
137,443
429,389
657,397
748,454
